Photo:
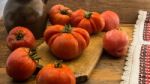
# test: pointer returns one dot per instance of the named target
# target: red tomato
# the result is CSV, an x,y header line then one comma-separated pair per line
x,y
59,14
20,37
66,42
56,74
20,64
90,21
112,20
116,42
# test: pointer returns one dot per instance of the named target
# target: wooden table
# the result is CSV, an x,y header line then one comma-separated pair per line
x,y
107,71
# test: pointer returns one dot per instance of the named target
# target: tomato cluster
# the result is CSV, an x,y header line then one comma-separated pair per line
x,y
67,37
90,21
93,22
23,60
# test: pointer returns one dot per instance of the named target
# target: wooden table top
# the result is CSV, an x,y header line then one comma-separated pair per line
x,y
107,71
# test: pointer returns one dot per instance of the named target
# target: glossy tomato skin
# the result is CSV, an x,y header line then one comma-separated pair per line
x,y
66,46
90,21
59,14
19,65
26,38
52,75
112,20
116,43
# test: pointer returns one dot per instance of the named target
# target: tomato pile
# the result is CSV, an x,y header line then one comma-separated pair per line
x,y
67,37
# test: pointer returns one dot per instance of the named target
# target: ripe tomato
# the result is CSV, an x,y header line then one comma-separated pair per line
x,y
59,14
116,43
20,37
21,64
56,74
90,21
66,42
112,20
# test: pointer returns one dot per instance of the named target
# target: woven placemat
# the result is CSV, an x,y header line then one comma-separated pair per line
x,y
137,66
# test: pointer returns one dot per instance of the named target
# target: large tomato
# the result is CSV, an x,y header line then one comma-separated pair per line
x,y
65,42
55,74
59,14
116,43
112,20
20,37
90,21
21,64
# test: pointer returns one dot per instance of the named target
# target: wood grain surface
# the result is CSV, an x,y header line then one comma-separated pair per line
x,y
126,9
107,71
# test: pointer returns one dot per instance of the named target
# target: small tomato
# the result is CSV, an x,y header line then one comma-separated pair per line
x,y
21,64
56,74
112,20
59,14
20,37
116,42
90,21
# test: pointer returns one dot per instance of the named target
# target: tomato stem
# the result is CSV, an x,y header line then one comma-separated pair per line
x,y
33,55
19,35
88,14
38,68
64,12
58,64
67,29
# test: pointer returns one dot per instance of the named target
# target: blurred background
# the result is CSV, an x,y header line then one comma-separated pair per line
x,y
2,4
127,9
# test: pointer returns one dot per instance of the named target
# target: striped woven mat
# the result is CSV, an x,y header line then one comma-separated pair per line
x,y
137,67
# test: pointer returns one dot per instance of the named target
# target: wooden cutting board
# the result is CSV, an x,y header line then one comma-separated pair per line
x,y
83,65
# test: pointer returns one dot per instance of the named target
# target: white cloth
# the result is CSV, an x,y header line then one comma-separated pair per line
x,y
132,65
2,5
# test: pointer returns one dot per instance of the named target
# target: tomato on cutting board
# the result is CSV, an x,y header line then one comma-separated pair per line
x,y
66,42
55,74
